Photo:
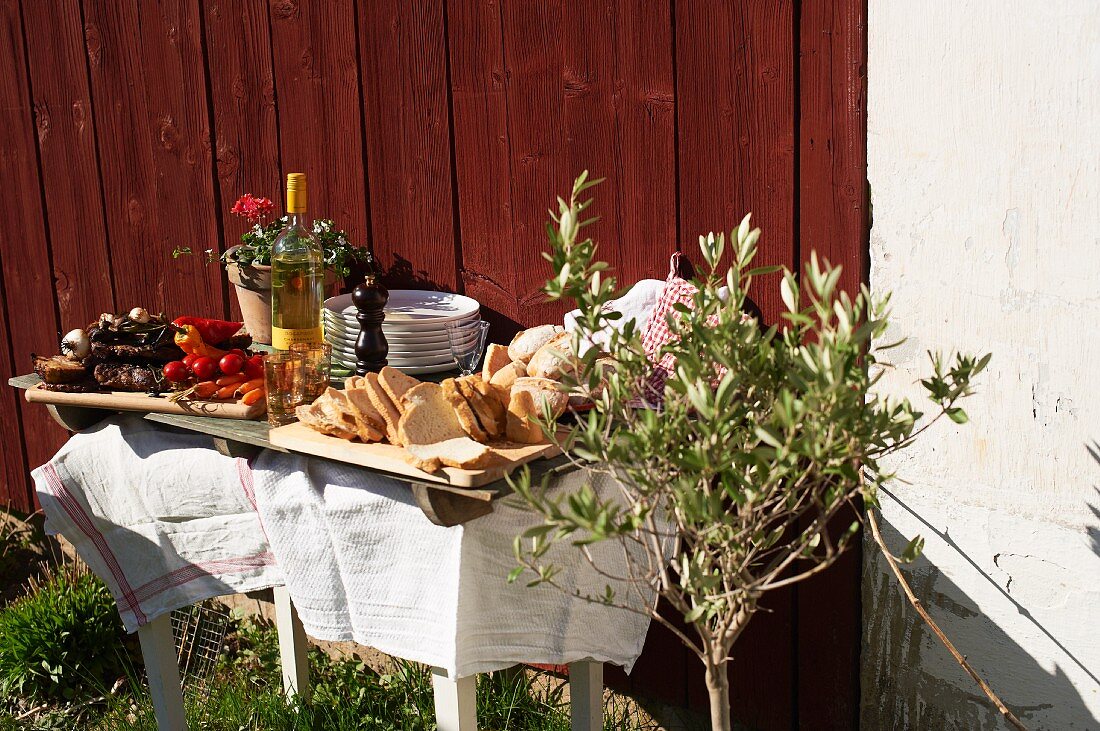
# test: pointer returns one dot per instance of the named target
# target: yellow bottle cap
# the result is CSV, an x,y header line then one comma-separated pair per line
x,y
296,193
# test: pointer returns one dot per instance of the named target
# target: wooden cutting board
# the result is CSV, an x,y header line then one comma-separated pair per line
x,y
131,401
298,437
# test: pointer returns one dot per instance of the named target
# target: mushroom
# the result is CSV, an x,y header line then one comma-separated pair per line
x,y
139,315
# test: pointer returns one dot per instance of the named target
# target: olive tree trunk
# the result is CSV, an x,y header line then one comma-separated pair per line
x,y
718,685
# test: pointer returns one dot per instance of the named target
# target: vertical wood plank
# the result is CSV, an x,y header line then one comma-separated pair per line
x,y
24,245
319,111
406,110
242,91
70,161
153,128
15,491
833,221
735,80
479,101
735,121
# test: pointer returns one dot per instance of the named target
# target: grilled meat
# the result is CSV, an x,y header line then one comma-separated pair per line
x,y
114,351
59,369
88,385
126,377
124,339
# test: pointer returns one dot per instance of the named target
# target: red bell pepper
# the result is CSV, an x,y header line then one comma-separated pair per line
x,y
212,331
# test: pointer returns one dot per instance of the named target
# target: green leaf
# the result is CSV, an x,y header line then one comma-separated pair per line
x,y
913,550
515,574
957,415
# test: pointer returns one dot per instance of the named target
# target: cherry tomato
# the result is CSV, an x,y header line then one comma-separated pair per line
x,y
238,351
204,368
254,367
189,359
231,364
177,371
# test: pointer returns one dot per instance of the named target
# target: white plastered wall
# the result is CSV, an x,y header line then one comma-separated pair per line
x,y
984,166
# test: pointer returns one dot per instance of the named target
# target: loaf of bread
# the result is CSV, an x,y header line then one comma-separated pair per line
x,y
527,342
548,361
496,358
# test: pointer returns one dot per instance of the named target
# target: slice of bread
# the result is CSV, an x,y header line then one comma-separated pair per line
x,y
548,361
465,414
428,417
489,411
396,384
315,417
526,342
385,407
461,452
496,357
353,382
335,405
369,422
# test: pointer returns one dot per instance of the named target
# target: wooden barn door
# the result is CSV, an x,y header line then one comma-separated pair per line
x,y
438,132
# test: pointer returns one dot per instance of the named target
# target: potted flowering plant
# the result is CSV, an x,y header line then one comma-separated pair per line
x,y
248,264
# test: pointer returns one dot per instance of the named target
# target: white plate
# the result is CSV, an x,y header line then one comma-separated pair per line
x,y
399,354
414,306
415,370
402,362
337,338
401,328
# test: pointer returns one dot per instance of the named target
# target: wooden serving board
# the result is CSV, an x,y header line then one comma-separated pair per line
x,y
132,401
298,437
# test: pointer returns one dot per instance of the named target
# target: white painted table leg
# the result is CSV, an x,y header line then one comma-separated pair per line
x,y
293,646
455,701
158,648
586,695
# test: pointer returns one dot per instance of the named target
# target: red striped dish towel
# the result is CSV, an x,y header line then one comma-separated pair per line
x,y
159,515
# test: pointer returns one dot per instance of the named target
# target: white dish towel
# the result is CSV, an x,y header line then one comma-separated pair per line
x,y
159,515
363,563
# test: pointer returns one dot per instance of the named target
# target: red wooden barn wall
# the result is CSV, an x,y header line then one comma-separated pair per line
x,y
438,133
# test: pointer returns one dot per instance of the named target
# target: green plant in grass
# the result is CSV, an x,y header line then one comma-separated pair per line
x,y
61,639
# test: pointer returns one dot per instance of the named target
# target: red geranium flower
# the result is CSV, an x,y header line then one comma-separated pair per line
x,y
252,208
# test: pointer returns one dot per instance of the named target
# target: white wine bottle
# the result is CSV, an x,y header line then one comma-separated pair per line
x,y
297,275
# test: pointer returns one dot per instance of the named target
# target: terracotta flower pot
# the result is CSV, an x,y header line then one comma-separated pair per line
x,y
253,286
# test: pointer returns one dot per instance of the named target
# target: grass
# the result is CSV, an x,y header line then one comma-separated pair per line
x,y
245,693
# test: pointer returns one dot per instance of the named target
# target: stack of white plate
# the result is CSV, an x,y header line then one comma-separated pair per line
x,y
415,328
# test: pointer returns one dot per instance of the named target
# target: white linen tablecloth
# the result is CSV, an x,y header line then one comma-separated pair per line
x,y
167,521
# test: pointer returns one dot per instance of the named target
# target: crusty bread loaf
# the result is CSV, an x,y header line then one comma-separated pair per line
x,y
396,385
489,411
428,417
527,342
549,360
496,357
543,389
502,380
465,414
461,452
385,407
522,426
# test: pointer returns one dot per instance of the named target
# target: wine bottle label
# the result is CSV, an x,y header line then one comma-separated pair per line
x,y
282,338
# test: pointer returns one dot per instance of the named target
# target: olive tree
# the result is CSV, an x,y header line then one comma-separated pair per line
x,y
732,474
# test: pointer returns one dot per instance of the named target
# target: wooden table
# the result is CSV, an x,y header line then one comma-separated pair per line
x,y
442,504
455,698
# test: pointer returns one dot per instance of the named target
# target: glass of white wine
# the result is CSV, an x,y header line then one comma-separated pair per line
x,y
283,379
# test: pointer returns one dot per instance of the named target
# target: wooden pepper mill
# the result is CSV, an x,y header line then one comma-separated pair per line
x,y
371,347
